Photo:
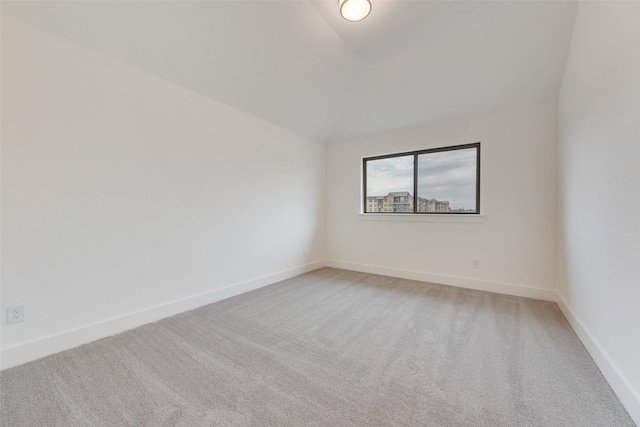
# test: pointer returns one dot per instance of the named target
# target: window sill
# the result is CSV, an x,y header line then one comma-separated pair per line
x,y
423,218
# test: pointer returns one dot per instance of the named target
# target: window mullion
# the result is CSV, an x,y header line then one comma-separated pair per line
x,y
415,183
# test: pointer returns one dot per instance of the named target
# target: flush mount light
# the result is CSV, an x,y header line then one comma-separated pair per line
x,y
355,10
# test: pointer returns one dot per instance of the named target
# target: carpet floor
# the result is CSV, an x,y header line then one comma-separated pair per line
x,y
327,348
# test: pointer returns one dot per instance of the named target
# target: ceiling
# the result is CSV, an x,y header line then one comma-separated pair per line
x,y
299,65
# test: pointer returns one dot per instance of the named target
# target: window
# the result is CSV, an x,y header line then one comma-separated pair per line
x,y
446,180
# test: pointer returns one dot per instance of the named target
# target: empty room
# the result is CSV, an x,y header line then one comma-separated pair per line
x,y
320,213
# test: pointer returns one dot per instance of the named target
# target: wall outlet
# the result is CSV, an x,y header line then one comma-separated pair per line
x,y
15,314
304,253
475,263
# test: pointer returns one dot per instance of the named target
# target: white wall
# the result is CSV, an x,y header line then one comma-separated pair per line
x,y
122,192
599,210
515,246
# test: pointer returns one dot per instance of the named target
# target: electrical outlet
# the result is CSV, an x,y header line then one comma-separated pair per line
x,y
15,314
475,263
304,253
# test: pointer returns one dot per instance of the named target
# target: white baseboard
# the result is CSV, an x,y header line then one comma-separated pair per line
x,y
460,282
32,350
628,395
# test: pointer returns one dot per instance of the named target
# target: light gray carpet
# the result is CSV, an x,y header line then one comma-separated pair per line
x,y
328,348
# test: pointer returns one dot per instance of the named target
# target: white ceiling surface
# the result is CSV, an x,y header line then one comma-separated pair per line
x,y
299,65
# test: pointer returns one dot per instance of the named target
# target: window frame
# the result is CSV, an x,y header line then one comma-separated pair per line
x,y
415,155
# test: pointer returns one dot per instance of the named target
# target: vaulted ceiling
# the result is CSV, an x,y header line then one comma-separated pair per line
x,y
299,65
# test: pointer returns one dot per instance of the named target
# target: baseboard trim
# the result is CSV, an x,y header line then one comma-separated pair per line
x,y
36,349
460,282
629,397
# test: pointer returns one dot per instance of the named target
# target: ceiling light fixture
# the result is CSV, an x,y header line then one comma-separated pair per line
x,y
355,10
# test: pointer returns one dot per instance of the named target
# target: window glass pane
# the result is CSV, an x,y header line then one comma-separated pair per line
x,y
447,181
390,185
